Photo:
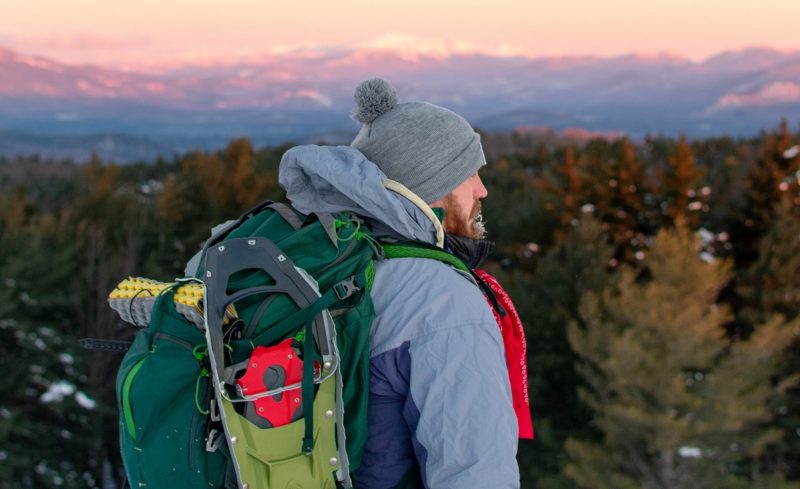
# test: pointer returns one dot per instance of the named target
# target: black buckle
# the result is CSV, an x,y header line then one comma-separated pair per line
x,y
346,288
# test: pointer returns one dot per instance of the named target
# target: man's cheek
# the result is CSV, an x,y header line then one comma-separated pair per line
x,y
476,211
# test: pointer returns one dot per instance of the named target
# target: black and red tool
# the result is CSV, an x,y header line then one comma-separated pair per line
x,y
270,368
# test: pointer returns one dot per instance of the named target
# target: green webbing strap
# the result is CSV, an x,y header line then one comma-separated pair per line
x,y
310,356
338,292
288,324
401,250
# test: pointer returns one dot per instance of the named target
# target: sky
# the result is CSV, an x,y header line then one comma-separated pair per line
x,y
152,32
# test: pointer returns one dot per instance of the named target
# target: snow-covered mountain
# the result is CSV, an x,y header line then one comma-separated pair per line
x,y
307,95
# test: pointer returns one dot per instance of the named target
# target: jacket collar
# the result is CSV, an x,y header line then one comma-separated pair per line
x,y
473,252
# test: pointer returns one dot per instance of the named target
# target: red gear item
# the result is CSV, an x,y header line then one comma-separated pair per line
x,y
516,349
270,368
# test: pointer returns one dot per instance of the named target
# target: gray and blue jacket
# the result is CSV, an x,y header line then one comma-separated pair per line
x,y
439,395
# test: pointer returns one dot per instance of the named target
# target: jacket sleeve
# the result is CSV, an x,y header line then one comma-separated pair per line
x,y
459,408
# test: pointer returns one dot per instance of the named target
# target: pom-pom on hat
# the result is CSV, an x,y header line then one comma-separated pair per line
x,y
427,148
374,97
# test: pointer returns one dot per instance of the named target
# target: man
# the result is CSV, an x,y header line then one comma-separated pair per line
x,y
440,409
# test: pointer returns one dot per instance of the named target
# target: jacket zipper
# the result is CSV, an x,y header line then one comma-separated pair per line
x,y
172,339
127,412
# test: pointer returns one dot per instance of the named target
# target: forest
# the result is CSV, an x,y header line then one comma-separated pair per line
x,y
658,281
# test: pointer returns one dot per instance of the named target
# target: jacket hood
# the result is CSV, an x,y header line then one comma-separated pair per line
x,y
340,178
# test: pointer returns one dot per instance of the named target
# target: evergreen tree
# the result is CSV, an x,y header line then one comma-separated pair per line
x,y
676,402
209,189
106,227
515,209
616,186
677,181
47,407
562,183
764,190
771,285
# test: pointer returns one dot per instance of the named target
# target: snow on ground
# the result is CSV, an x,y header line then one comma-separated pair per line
x,y
690,452
57,391
61,389
707,257
85,401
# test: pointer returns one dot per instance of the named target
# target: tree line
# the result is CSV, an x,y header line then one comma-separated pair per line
x,y
658,281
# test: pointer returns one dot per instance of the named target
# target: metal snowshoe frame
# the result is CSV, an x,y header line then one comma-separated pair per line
x,y
258,458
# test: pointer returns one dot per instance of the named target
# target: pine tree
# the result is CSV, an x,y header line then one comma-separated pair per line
x,y
616,185
680,175
562,184
764,190
677,403
46,407
208,190
771,285
515,208
107,227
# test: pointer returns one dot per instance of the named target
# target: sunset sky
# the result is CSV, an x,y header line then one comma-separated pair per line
x,y
153,32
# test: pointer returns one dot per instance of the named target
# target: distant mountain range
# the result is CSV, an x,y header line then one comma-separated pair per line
x,y
60,110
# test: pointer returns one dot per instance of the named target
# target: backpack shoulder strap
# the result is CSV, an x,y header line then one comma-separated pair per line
x,y
414,249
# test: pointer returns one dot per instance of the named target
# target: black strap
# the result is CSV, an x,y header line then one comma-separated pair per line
x,y
490,294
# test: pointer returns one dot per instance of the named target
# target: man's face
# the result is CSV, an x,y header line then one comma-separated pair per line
x,y
462,208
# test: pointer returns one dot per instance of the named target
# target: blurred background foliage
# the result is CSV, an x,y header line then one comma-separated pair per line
x,y
658,280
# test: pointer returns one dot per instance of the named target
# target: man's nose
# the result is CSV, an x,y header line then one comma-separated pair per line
x,y
480,190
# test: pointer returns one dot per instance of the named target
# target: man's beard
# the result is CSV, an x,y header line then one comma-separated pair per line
x,y
459,223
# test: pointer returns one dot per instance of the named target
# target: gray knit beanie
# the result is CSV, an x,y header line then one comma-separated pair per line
x,y
427,148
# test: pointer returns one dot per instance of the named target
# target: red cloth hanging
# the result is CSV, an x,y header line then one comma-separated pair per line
x,y
514,342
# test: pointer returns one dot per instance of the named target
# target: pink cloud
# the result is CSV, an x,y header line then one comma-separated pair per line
x,y
771,94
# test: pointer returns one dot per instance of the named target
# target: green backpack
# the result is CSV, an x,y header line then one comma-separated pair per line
x,y
254,374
